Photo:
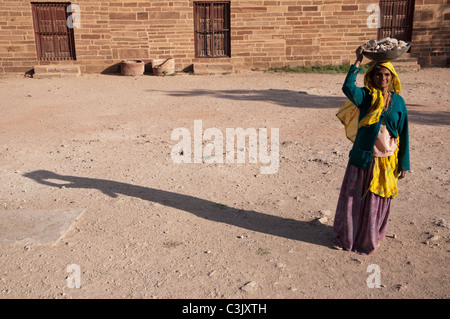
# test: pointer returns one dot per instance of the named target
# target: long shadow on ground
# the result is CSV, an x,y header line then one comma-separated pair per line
x,y
288,98
255,221
301,99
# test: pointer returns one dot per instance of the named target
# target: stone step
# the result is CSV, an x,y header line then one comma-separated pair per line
x,y
54,75
413,60
406,63
212,68
56,71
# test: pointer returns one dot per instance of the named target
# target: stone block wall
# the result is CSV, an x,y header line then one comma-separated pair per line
x,y
297,33
431,33
264,33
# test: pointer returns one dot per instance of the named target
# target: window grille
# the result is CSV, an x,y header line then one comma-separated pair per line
x,y
396,19
212,29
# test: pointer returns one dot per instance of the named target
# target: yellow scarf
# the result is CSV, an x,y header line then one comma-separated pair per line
x,y
385,170
349,113
373,115
385,175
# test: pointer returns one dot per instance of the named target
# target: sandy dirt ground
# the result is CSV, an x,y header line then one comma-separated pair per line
x,y
153,228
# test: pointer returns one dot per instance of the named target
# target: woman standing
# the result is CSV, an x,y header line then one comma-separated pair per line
x,y
376,121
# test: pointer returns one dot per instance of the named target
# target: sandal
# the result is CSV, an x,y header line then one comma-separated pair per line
x,y
337,246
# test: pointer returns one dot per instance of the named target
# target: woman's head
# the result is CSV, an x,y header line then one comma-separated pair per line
x,y
381,77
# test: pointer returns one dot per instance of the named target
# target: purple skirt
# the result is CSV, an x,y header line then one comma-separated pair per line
x,y
361,216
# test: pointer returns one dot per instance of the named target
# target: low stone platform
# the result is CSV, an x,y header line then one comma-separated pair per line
x,y
204,68
56,71
406,63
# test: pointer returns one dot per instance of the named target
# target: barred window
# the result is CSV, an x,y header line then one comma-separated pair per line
x,y
396,19
212,29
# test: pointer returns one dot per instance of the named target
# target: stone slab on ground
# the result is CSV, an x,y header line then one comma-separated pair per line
x,y
30,227
212,68
56,71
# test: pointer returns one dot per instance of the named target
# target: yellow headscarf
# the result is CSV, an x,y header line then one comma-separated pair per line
x,y
349,113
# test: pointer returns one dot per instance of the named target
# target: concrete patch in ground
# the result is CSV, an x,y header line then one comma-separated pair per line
x,y
28,227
